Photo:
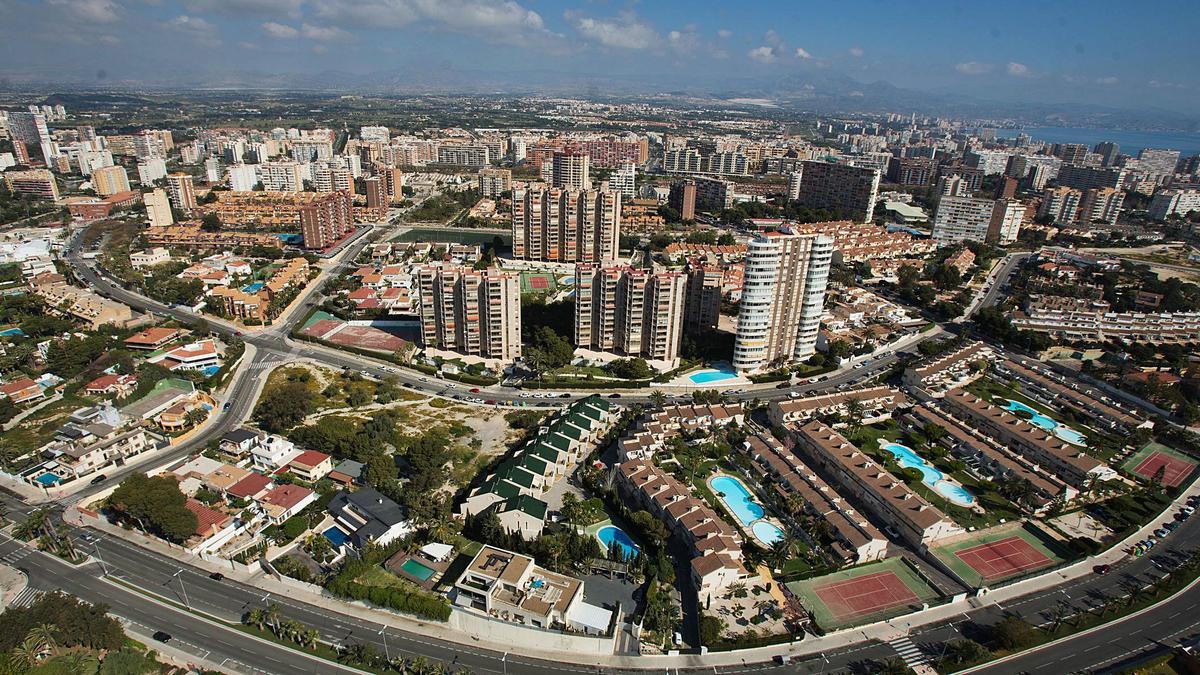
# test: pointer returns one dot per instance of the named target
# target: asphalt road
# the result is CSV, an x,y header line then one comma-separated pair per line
x,y
1001,281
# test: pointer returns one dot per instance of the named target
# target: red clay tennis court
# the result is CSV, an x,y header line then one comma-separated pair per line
x,y
539,283
1175,470
865,595
1003,558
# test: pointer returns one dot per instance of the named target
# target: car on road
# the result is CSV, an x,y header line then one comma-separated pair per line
x,y
614,395
226,406
162,636
1102,569
783,385
564,395
474,390
238,333
1161,532
794,394
217,576
99,479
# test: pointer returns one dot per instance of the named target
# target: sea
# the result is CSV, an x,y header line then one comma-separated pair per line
x,y
1131,142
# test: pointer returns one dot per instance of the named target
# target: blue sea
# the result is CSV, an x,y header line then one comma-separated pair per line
x,y
1131,142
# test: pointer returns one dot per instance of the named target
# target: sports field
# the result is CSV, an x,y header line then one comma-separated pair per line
x,y
997,555
863,594
1175,465
538,282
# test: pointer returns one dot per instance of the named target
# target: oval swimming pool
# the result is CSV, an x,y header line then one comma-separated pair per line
x,y
611,535
737,498
931,476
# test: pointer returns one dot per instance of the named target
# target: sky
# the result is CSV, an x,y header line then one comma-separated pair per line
x,y
1122,54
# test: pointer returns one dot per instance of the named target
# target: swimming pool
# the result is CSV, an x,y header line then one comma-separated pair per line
x,y
737,498
1050,424
253,288
712,375
12,332
930,476
48,479
210,370
417,569
611,535
335,536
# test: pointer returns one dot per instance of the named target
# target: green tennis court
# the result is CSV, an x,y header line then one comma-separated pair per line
x,y
1154,457
538,282
998,554
863,594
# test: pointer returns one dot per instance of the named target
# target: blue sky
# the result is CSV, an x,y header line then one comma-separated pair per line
x,y
1115,53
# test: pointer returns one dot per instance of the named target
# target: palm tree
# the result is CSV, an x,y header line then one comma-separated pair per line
x,y
43,635
273,615
291,630
1132,590
782,550
658,398
310,638
80,663
1058,614
256,617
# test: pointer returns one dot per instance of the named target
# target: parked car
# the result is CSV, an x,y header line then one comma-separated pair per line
x,y
217,576
162,636
99,479
1102,569
474,390
614,395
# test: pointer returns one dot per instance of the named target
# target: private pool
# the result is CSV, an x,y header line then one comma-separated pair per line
x,y
712,375
48,479
253,288
737,498
936,480
611,535
1050,424
418,569
210,370
336,536
12,332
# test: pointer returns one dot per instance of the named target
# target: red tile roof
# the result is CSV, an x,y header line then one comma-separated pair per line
x,y
207,519
249,486
287,496
310,458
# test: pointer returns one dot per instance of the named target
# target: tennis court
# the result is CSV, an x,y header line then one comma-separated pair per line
x,y
863,594
997,555
1147,462
538,282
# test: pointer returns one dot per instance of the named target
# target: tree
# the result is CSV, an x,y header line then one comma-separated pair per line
x,y
211,222
127,661
156,504
284,407
657,398
908,276
711,629
1013,633
631,369
380,469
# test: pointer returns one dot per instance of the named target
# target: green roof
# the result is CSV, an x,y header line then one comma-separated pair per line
x,y
596,402
534,464
557,440
501,488
546,452
517,474
568,431
526,504
582,421
591,412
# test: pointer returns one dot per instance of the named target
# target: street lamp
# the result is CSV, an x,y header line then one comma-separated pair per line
x,y
383,632
96,550
179,575
504,662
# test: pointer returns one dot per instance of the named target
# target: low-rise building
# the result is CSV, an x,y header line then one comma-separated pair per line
x,y
1071,318
310,465
366,516
933,377
654,429
22,390
874,404
152,339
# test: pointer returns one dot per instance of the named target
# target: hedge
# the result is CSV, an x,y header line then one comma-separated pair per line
x,y
586,384
408,602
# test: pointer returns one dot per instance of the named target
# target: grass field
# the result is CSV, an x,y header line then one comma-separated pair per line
x,y
863,594
1145,463
538,282
998,554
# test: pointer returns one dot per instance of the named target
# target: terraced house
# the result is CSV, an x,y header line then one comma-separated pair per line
x,y
654,429
514,489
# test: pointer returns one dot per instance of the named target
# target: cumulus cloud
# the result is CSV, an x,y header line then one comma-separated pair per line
x,y
625,31
764,54
1107,80
325,33
724,33
973,68
683,41
1018,69
802,53
856,52
97,11
280,30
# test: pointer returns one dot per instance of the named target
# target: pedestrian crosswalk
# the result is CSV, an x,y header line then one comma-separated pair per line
x,y
912,654
15,556
26,597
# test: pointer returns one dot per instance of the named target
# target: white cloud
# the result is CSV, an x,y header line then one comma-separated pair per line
x,y
856,52
323,32
802,53
280,30
498,19
1107,80
109,39
772,38
624,32
683,41
973,68
194,27
724,33
1018,69
97,11
270,8
763,54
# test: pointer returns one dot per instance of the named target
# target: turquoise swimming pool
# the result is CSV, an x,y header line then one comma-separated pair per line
x,y
253,288
737,498
418,569
1050,424
712,375
930,475
611,535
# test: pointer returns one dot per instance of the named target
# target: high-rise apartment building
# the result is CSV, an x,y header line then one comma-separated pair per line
x,y
624,180
376,189
682,198
1101,205
31,129
325,220
494,182
629,311
1167,203
912,171
848,190
1088,177
995,221
1060,204
281,176
329,177
181,190
1108,151
243,177
374,134
702,309
473,312
38,183
783,294
394,179
212,170
158,208
554,225
1156,162
464,155
150,170
110,180
1070,153
570,171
